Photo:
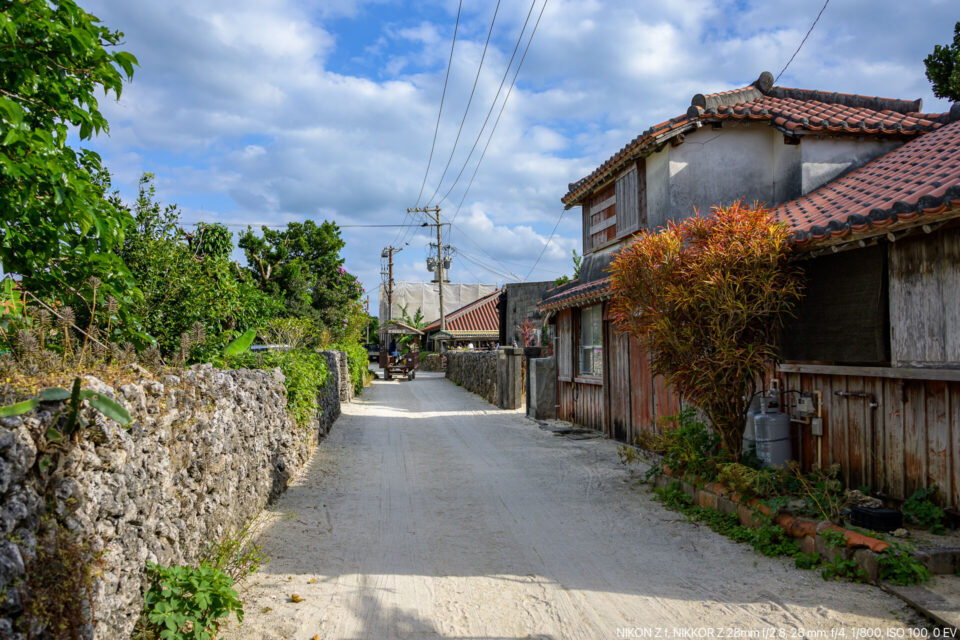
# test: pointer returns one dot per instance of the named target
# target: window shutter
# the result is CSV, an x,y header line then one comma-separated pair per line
x,y
586,227
628,202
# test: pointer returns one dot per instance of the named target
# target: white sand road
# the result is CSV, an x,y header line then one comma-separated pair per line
x,y
428,513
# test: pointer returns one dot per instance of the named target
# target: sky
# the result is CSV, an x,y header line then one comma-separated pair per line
x,y
269,111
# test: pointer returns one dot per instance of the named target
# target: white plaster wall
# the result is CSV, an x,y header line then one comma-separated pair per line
x,y
718,166
824,159
658,187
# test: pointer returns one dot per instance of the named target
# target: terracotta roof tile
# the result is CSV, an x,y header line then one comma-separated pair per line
x,y
576,294
479,315
793,110
920,178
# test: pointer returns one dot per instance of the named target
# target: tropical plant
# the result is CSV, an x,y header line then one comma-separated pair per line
x,y
57,223
528,333
707,296
302,264
189,289
189,603
943,68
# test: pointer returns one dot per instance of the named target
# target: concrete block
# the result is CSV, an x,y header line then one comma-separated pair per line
x,y
807,544
542,382
726,506
706,499
938,561
868,561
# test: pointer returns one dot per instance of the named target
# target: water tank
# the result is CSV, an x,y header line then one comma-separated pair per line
x,y
772,434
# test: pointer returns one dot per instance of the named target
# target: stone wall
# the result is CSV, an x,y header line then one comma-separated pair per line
x,y
432,362
206,451
475,371
519,303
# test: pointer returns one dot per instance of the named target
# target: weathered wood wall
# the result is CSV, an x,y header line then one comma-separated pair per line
x,y
628,401
925,300
911,440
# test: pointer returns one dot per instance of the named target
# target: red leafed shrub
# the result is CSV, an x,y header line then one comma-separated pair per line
x,y
707,296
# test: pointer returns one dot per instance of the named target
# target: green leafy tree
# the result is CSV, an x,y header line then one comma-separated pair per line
x,y
706,296
187,290
57,224
303,264
943,68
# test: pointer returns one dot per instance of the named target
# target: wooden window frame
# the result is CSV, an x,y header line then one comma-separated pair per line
x,y
580,373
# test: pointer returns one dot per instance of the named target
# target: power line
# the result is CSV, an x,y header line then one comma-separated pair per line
x,y
497,121
809,31
545,246
443,94
469,102
493,104
283,226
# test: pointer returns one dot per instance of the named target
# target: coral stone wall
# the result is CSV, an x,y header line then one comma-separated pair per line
x,y
206,451
475,371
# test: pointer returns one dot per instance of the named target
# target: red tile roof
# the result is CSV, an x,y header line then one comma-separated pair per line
x,y
915,182
794,111
479,315
576,294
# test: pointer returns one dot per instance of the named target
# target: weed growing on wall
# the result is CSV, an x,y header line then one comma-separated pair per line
x,y
58,588
898,566
305,374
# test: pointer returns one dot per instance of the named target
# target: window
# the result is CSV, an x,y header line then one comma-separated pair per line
x,y
591,341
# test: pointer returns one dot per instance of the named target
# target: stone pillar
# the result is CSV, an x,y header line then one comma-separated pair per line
x,y
509,389
542,388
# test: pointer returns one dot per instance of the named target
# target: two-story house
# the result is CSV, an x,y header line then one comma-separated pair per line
x,y
760,143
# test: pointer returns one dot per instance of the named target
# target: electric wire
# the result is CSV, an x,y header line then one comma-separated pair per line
x,y
497,121
443,95
546,244
466,111
809,31
493,104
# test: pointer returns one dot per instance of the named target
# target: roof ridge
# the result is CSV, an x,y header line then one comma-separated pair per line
x,y
874,103
457,313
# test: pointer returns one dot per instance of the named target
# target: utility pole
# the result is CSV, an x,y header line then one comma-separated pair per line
x,y
388,254
436,223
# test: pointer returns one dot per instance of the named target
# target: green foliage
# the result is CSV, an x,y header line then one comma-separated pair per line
x,y
842,567
194,300
241,344
358,363
920,509
706,296
943,68
302,264
295,333
57,225
898,566
58,589
236,555
689,447
189,603
577,261
305,373
766,538
807,560
752,483
211,241
822,492
834,539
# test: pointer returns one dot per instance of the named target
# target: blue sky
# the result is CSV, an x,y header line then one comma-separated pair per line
x,y
267,111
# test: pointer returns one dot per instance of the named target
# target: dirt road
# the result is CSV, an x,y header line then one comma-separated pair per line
x,y
427,513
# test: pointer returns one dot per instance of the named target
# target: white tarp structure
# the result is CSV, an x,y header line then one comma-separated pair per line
x,y
424,296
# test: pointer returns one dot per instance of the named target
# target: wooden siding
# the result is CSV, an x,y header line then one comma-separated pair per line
x,y
925,300
564,346
909,441
616,350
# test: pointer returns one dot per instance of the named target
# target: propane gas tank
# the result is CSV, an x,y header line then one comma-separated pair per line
x,y
772,433
749,437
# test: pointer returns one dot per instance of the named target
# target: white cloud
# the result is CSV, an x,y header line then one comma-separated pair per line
x,y
247,106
